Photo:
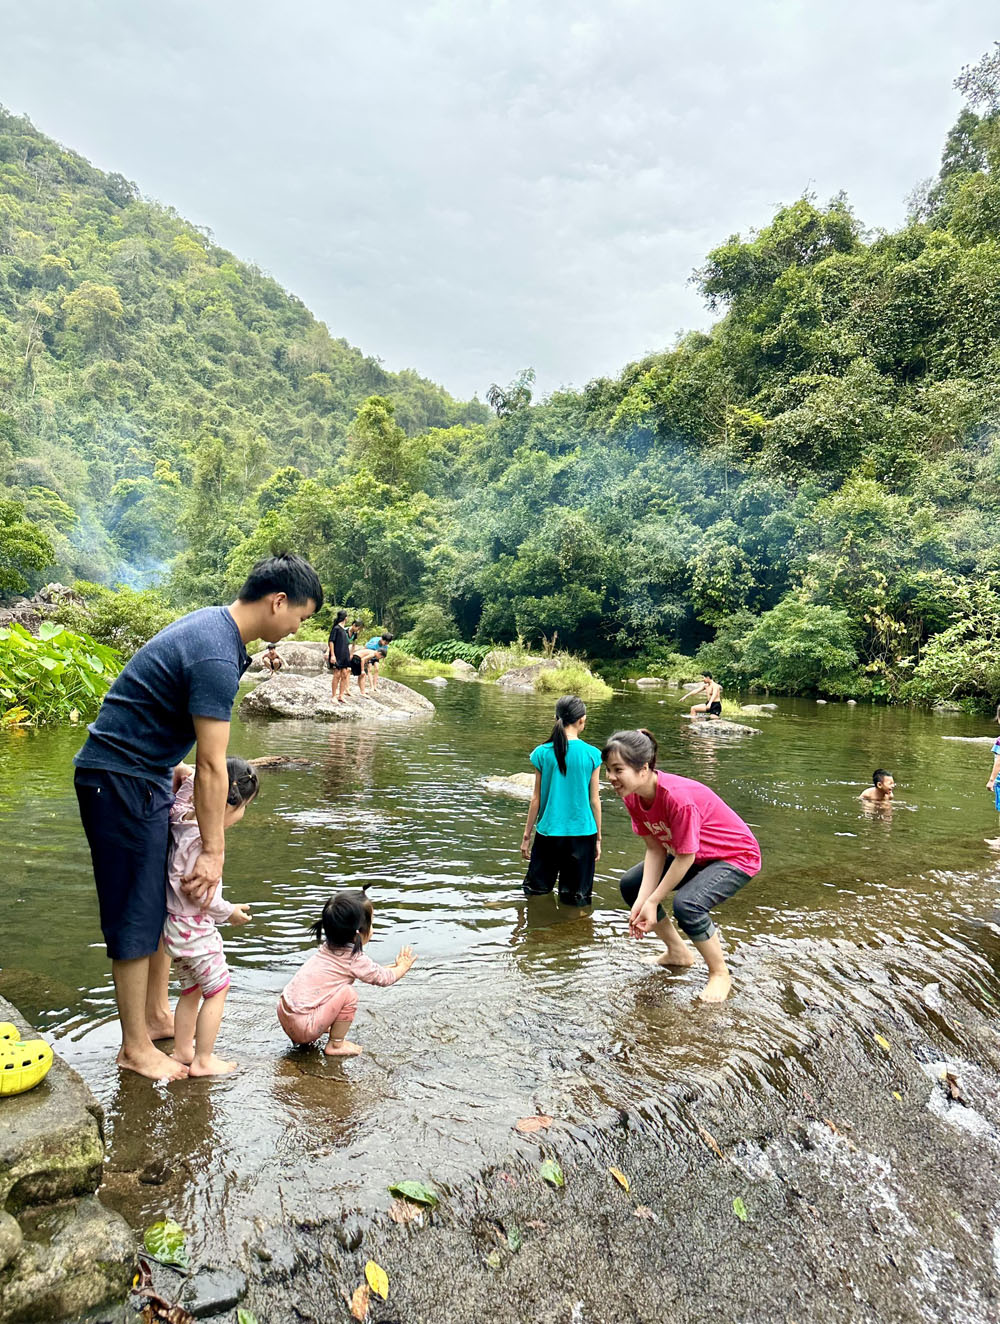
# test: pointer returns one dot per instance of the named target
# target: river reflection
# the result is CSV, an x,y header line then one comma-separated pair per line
x,y
513,1007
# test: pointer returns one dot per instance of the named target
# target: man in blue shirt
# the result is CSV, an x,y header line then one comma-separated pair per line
x,y
178,690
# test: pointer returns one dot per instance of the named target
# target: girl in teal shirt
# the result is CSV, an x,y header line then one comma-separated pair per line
x,y
565,810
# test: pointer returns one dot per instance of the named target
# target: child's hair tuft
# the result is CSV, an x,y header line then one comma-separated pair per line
x,y
346,920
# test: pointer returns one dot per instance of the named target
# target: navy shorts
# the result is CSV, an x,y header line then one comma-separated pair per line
x,y
567,860
127,822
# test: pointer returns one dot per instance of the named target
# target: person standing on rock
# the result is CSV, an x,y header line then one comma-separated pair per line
x,y
338,658
566,803
697,848
379,646
177,691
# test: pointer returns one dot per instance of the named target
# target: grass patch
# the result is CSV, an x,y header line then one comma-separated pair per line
x,y
572,677
400,665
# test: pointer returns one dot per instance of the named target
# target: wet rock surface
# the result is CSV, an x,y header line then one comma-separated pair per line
x,y
294,696
61,1250
520,784
841,1181
464,670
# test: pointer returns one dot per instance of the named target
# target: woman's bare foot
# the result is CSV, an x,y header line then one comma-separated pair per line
x,y
342,1048
717,988
152,1064
212,1066
675,956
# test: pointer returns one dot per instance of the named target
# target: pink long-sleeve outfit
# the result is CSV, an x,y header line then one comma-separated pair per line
x,y
321,993
189,932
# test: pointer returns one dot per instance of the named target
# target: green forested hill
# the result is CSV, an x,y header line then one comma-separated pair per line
x,y
806,496
138,361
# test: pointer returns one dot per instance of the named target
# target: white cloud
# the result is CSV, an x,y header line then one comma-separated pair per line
x,y
471,187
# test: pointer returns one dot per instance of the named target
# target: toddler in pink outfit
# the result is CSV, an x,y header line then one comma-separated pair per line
x,y
320,999
190,934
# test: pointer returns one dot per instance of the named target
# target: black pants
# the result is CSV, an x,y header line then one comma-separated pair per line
x,y
706,884
570,860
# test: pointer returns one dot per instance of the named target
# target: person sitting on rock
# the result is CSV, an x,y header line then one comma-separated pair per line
x,y
712,707
271,661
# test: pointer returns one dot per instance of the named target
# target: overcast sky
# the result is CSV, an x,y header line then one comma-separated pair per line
x,y
468,188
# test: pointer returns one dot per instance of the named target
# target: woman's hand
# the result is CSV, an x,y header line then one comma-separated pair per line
x,y
526,847
641,918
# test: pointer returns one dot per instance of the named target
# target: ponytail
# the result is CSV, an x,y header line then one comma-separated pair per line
x,y
346,920
569,710
635,748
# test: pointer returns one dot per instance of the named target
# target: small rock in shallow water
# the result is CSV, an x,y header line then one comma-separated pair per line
x,y
156,1173
211,1291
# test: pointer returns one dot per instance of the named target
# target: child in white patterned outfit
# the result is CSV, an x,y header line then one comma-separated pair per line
x,y
190,934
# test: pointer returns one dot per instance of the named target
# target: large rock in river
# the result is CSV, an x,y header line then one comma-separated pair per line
x,y
306,656
522,679
289,695
520,784
720,726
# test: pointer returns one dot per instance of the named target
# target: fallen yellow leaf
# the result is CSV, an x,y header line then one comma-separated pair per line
x,y
883,1042
711,1141
620,1178
896,1095
378,1279
359,1302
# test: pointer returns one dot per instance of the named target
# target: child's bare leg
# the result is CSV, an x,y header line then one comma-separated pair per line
x,y
678,952
719,982
185,1020
362,682
205,1062
338,1045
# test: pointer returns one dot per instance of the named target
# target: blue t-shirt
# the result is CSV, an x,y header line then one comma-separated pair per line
x,y
374,643
565,800
146,722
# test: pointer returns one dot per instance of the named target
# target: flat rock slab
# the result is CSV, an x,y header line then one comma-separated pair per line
x,y
721,726
520,784
294,696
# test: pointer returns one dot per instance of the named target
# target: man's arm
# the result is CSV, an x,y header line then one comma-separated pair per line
x,y
211,789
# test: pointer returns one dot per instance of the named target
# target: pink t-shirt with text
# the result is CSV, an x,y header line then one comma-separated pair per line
x,y
688,818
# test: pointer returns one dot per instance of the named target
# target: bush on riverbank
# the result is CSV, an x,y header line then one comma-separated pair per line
x,y
573,677
121,618
60,676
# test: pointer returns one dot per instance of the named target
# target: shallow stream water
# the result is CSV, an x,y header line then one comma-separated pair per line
x,y
513,1008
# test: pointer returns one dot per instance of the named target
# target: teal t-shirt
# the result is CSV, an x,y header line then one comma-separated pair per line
x,y
565,800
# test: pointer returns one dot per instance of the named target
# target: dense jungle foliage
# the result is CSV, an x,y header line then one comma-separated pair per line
x,y
803,497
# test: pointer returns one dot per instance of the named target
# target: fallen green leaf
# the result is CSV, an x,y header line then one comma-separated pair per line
x,y
416,1191
740,1209
514,1240
166,1241
494,1260
245,1316
552,1173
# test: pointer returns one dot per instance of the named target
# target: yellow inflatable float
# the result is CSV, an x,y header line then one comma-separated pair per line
x,y
22,1063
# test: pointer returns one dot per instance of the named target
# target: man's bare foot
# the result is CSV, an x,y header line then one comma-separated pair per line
x,y
152,1064
717,988
342,1049
161,1027
185,1055
212,1066
675,956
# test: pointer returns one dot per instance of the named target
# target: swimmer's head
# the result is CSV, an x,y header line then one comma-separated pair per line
x,y
882,780
628,756
346,920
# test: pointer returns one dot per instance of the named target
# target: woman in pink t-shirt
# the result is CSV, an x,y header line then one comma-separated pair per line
x,y
696,847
